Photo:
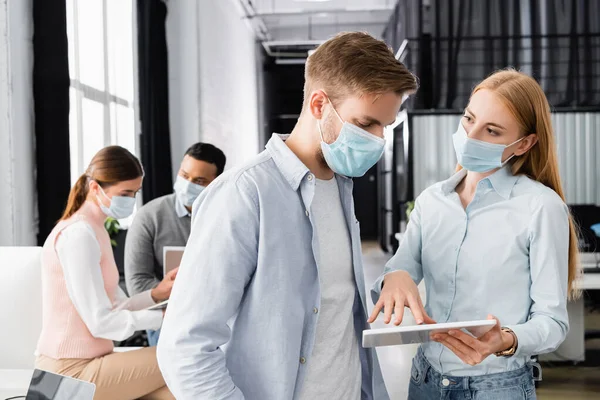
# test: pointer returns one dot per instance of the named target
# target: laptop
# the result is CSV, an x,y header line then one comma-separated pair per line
x,y
48,386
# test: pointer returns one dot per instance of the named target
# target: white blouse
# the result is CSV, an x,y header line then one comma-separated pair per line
x,y
79,254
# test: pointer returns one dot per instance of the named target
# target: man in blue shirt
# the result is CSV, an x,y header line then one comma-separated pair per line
x,y
270,303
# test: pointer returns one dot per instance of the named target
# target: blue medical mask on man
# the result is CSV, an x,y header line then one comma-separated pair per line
x,y
354,151
120,206
186,191
479,156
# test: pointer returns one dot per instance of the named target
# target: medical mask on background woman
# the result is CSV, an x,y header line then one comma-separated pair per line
x,y
120,206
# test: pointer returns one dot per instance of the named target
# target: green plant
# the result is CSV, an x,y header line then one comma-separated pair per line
x,y
410,205
112,226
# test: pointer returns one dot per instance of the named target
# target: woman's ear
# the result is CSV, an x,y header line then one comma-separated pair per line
x,y
526,144
93,186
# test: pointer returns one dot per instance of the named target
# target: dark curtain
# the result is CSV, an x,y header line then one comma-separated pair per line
x,y
51,106
154,98
555,41
405,23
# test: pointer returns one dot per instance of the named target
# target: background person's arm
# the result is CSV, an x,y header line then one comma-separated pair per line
x,y
218,263
139,255
79,254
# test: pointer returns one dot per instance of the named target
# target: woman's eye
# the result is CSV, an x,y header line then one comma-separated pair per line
x,y
492,132
469,119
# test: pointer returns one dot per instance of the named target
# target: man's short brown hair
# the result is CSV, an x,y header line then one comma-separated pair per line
x,y
355,63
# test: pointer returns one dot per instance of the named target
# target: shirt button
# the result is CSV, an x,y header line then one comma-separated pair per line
x,y
302,360
445,382
307,213
310,177
315,310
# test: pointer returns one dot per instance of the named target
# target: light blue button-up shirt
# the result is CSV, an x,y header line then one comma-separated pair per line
x,y
506,255
241,319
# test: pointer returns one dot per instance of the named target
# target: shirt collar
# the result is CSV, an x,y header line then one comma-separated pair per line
x,y
502,181
450,184
180,209
288,163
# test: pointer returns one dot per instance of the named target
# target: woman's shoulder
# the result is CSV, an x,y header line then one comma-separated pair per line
x,y
540,195
438,188
77,228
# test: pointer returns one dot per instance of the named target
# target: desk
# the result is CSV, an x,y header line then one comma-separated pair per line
x,y
14,382
573,348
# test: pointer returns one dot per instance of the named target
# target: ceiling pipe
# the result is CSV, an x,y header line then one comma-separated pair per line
x,y
261,31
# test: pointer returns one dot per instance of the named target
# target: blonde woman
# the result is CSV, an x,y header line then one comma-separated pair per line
x,y
494,241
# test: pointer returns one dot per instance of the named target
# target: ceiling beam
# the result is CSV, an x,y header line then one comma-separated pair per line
x,y
319,12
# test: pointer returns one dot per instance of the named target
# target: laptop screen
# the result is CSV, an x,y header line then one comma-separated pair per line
x,y
48,386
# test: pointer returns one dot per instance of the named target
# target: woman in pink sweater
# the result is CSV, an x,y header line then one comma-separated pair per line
x,y
84,310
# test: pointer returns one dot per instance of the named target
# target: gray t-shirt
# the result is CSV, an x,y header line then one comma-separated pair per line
x,y
333,369
156,225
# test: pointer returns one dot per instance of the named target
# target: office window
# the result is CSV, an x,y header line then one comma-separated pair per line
x,y
101,66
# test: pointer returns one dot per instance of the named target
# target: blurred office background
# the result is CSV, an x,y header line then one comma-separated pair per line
x,y
156,76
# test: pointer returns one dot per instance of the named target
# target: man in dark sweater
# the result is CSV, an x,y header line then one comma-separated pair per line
x,y
165,221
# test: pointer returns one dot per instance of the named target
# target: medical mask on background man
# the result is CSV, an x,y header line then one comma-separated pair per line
x,y
355,150
120,206
476,155
186,191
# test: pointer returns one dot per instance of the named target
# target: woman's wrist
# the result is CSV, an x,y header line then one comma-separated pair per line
x,y
156,295
509,344
508,341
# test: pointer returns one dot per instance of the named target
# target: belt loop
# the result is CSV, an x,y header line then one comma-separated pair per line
x,y
536,366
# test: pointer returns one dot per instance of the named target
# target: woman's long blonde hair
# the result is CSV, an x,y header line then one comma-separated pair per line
x,y
528,103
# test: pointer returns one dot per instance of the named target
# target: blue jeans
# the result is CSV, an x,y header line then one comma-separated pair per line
x,y
153,337
428,384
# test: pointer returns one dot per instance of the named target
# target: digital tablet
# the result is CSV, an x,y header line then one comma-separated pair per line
x,y
47,385
159,306
399,335
172,256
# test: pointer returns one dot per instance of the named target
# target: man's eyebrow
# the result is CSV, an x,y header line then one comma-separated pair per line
x,y
371,120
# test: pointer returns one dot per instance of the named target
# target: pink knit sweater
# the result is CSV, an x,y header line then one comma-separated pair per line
x,y
64,334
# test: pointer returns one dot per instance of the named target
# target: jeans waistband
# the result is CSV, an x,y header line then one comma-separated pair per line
x,y
516,377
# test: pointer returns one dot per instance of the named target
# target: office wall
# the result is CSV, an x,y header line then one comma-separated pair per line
x,y
213,89
18,222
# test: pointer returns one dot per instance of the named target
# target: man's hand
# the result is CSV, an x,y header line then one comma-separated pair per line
x,y
399,290
473,350
163,291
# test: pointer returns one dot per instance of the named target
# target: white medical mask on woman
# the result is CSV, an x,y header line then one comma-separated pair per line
x,y
476,155
120,206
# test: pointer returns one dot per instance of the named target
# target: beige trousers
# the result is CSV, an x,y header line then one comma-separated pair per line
x,y
117,376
